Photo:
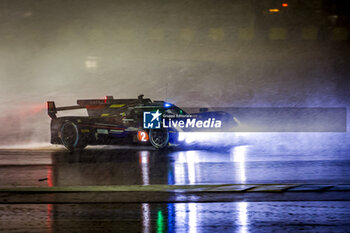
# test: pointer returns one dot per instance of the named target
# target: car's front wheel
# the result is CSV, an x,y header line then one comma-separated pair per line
x,y
159,138
71,136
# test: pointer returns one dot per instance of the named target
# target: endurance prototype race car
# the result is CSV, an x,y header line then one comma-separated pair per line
x,y
122,121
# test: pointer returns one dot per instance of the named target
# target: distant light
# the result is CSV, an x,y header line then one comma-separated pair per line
x,y
91,63
274,10
284,4
27,14
167,105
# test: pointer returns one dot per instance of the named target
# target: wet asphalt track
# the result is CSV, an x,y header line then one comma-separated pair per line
x,y
125,166
121,166
240,217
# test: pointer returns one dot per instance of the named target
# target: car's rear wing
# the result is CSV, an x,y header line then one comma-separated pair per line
x,y
96,107
52,110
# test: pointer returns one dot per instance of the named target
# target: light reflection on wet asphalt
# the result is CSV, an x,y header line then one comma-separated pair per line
x,y
240,217
241,164
115,166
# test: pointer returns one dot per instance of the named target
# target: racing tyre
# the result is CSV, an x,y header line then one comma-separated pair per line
x,y
159,138
71,136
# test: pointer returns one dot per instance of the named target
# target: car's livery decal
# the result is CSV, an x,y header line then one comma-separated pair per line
x,y
95,106
116,105
103,127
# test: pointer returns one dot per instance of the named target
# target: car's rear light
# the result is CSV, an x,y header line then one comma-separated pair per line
x,y
108,97
51,109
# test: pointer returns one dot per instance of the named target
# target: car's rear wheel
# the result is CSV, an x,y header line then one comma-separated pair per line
x,y
71,136
159,138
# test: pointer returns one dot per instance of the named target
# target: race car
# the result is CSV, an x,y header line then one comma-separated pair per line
x,y
122,121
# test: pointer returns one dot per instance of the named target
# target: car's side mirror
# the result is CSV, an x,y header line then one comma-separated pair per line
x,y
203,110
